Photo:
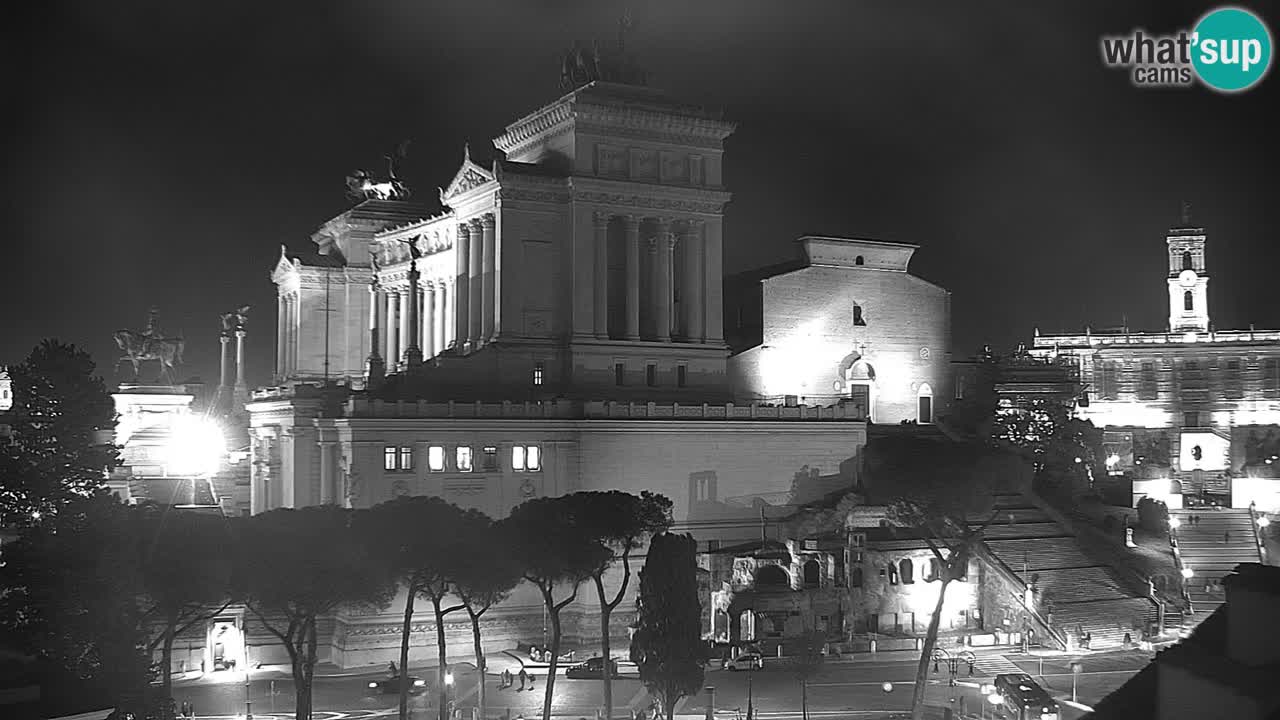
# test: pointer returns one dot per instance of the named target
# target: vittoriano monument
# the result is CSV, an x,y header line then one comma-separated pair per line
x,y
150,344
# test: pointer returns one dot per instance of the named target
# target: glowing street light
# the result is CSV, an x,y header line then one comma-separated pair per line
x,y
887,687
1264,521
1187,573
1174,523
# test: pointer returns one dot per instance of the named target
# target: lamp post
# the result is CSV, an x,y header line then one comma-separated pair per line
x,y
1076,669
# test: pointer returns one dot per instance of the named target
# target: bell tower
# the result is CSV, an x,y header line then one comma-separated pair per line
x,y
1188,279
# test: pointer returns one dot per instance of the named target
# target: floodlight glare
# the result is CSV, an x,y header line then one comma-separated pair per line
x,y
195,446
1187,573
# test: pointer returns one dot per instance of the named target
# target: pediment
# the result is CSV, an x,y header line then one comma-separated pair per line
x,y
284,267
469,177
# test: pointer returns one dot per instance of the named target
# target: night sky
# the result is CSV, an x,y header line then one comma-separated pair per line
x,y
162,154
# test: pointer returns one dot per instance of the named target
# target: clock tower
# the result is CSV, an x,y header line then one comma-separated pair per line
x,y
1188,280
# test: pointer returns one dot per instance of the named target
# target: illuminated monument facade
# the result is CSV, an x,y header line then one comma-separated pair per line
x,y
557,326
1193,412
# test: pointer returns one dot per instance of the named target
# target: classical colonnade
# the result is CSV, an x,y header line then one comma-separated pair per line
x,y
652,317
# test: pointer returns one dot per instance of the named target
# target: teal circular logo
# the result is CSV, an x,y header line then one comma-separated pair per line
x,y
1231,49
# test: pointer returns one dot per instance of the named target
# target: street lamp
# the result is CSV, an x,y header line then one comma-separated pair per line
x,y
1174,523
1076,669
1264,521
1187,573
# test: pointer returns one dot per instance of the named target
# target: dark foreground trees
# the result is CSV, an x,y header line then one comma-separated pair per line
x,y
59,447
486,580
667,646
298,565
621,523
71,591
554,550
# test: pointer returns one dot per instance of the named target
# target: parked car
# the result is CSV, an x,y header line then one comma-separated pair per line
x,y
591,669
391,685
749,660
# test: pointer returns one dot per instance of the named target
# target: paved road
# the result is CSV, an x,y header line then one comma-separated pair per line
x,y
839,689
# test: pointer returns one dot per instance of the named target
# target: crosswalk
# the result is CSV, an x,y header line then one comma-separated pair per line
x,y
992,665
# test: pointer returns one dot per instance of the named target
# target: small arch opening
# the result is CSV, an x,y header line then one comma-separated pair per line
x,y
907,571
1188,302
812,574
859,261
857,316
855,577
1187,262
772,576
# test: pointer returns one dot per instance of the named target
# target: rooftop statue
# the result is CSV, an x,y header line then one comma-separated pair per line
x,y
580,66
362,185
150,344
236,320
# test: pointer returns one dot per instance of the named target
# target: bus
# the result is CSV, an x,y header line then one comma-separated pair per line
x,y
1024,699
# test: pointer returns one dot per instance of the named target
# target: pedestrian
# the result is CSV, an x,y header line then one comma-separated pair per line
x,y
191,709
532,677
524,678
391,667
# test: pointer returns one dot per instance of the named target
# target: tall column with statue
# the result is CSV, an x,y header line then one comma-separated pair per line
x,y
375,367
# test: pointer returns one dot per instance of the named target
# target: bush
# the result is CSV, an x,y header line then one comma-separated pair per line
x,y
1153,515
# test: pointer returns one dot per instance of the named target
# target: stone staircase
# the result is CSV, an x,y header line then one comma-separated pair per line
x,y
1086,595
1212,549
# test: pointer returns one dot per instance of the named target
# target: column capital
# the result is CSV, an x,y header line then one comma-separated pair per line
x,y
475,224
672,240
693,225
600,219
653,245
464,229
664,224
488,221
632,222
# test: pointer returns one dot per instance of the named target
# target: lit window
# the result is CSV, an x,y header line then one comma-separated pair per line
x,y
490,459
406,458
537,374
650,375
435,458
682,375
464,458
389,457
526,458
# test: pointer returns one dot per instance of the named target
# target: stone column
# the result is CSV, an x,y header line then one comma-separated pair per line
x,y
450,325
429,345
461,286
241,386
224,378
713,288
412,321
691,288
632,225
375,368
488,265
327,472
282,334
393,328
601,285
404,324
475,301
660,250
292,350
438,319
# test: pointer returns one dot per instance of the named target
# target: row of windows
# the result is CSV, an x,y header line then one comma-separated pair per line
x,y
1191,376
650,375
524,458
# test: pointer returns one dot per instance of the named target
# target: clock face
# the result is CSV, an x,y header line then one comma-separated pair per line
x,y
1188,278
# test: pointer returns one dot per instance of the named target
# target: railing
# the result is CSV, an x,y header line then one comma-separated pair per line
x,y
1047,342
596,409
1059,637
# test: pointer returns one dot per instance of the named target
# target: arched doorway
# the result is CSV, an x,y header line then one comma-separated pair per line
x,y
812,574
860,382
924,404
772,577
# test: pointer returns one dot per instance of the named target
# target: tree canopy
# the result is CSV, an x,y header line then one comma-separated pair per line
x,y
59,449
667,646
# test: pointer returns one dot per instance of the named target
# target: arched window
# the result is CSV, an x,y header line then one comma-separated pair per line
x,y
907,571
772,576
812,574
1188,302
1187,263
858,261
855,577
935,570
857,316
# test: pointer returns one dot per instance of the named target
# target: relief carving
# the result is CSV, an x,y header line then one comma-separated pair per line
x,y
674,167
645,164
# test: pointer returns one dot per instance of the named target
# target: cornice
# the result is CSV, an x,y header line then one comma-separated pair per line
x,y
649,197
534,125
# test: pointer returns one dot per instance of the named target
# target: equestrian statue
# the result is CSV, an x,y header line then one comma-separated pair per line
x,y
150,344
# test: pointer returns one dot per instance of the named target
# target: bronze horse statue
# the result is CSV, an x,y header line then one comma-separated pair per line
x,y
138,347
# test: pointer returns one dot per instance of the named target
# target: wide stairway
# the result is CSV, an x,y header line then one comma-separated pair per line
x,y
1213,548
1085,594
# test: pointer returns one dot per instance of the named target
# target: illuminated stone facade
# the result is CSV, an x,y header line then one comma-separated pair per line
x,y
848,323
558,327
1192,413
